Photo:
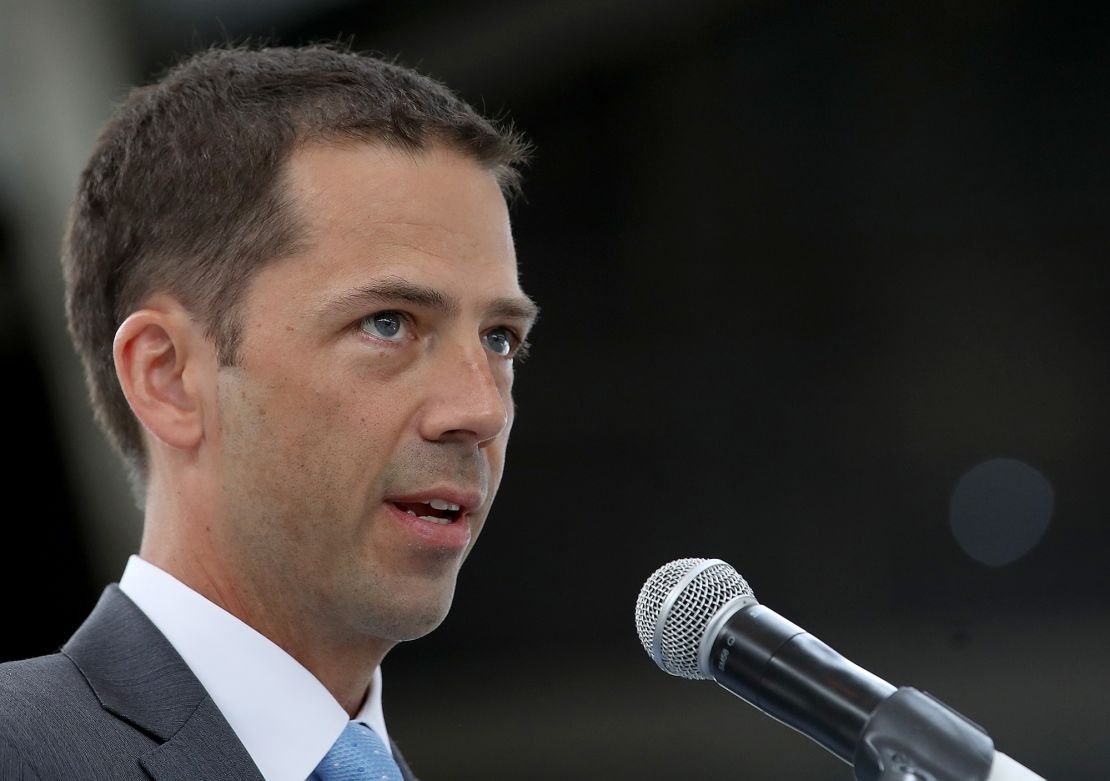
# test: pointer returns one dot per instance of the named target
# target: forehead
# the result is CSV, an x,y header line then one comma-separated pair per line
x,y
367,211
370,190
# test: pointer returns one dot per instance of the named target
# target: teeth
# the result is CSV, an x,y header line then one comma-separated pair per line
x,y
439,504
434,519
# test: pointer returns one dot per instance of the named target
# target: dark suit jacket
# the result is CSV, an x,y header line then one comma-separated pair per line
x,y
118,703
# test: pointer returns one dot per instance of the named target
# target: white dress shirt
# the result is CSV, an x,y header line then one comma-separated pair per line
x,y
280,711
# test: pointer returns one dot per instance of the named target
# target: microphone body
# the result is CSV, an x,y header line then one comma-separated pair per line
x,y
697,618
792,676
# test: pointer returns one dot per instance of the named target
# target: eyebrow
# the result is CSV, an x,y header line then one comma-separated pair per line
x,y
522,308
393,289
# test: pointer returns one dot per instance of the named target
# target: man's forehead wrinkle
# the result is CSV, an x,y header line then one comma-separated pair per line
x,y
374,223
416,248
321,201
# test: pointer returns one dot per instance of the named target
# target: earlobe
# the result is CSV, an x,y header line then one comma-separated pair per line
x,y
152,351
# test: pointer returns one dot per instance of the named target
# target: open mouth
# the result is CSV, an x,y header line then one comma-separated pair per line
x,y
435,511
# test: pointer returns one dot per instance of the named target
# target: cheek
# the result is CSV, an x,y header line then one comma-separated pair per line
x,y
343,435
293,441
495,453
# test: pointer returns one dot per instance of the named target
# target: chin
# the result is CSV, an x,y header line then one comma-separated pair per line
x,y
409,616
413,626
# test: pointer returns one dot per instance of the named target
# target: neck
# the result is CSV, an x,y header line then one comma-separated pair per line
x,y
343,662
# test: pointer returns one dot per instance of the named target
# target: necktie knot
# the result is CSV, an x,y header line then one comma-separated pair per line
x,y
358,755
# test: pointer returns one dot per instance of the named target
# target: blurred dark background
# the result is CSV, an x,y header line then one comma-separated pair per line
x,y
824,296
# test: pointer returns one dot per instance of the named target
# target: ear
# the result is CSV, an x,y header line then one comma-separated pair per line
x,y
160,354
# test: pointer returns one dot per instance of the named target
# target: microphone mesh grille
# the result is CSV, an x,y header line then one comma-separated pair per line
x,y
689,613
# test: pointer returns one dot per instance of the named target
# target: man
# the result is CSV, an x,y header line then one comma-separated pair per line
x,y
291,277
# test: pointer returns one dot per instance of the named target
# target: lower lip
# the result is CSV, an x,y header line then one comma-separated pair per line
x,y
454,536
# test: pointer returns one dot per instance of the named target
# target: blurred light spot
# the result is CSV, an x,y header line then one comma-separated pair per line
x,y
1000,510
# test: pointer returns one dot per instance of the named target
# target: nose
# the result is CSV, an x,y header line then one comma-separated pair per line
x,y
465,401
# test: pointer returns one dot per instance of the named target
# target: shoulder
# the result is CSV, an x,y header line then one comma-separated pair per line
x,y
36,695
53,726
31,679
27,683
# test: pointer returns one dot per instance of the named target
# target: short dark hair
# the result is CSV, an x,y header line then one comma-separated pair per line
x,y
183,192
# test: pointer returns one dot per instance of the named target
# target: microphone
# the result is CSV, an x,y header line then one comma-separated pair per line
x,y
699,619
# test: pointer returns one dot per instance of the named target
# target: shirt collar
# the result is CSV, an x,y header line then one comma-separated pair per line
x,y
285,718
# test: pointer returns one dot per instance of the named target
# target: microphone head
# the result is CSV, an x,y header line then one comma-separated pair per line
x,y
676,605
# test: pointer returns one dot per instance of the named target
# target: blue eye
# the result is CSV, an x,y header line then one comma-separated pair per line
x,y
500,341
384,325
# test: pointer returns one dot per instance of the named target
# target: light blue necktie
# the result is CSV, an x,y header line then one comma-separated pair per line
x,y
358,755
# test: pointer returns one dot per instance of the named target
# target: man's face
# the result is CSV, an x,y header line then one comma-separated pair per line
x,y
361,436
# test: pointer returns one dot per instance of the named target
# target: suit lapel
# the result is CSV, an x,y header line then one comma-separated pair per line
x,y
138,676
406,772
200,750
